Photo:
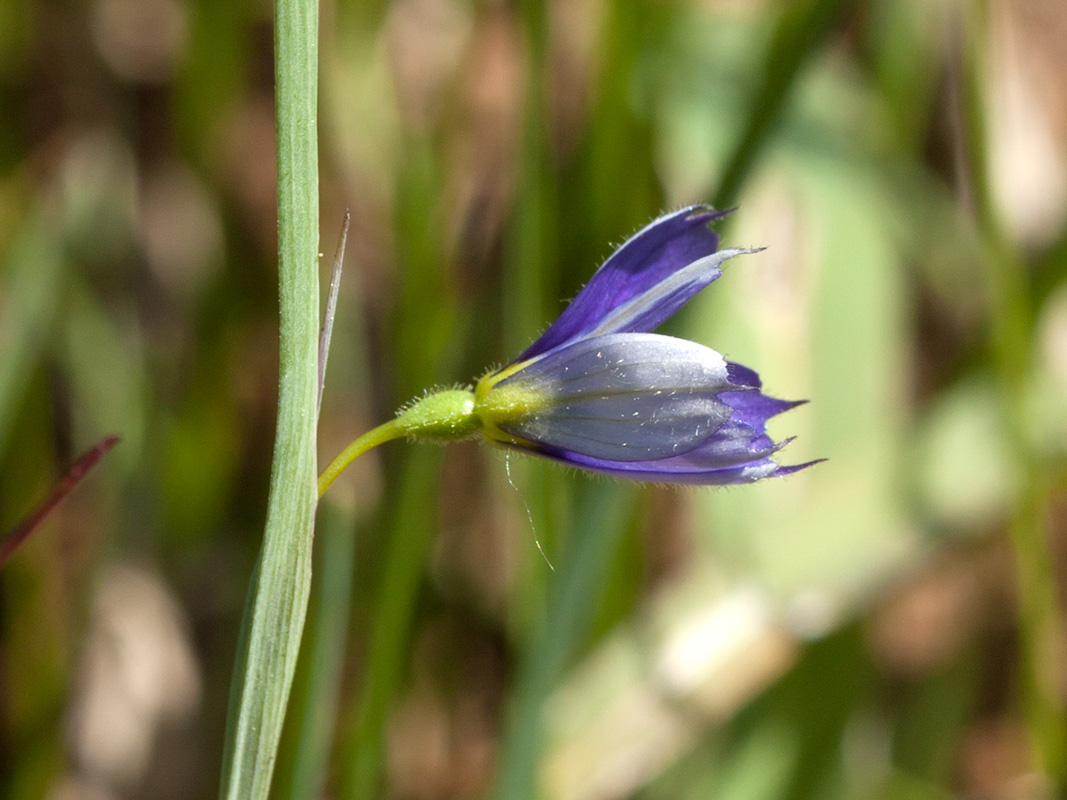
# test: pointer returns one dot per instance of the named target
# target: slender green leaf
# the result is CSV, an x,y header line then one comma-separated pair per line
x,y
411,535
569,612
306,743
1010,330
800,34
274,616
27,307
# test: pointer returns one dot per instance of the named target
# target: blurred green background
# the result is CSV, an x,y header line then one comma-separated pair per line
x,y
885,625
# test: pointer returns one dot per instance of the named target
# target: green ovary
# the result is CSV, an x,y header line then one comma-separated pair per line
x,y
447,416
459,413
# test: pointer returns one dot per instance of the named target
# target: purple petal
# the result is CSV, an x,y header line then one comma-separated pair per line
x,y
740,375
738,452
671,471
625,397
755,408
632,290
733,445
662,472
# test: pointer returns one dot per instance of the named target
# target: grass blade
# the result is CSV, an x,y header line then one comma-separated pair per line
x,y
308,736
411,537
75,475
28,304
800,34
274,614
1010,334
569,611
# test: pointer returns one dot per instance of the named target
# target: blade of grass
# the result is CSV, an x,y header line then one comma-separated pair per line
x,y
308,733
1010,331
616,201
569,611
75,475
430,329
799,35
611,202
532,263
27,306
411,536
935,712
277,605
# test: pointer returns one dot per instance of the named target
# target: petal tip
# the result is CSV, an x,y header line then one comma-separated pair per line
x,y
790,469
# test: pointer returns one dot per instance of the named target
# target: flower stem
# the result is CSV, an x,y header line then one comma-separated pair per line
x,y
393,429
1011,322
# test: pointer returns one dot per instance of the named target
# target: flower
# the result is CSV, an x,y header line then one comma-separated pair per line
x,y
599,391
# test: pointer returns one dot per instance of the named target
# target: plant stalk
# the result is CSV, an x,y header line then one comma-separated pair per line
x,y
278,597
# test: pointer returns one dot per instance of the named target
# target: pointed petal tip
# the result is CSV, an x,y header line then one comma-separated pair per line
x,y
790,469
704,213
789,405
734,252
745,382
784,443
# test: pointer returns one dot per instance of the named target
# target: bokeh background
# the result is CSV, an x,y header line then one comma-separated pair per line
x,y
885,625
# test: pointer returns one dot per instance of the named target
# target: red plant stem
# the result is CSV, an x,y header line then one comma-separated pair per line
x,y
75,475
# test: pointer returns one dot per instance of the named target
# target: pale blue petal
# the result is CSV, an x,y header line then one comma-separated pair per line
x,y
623,397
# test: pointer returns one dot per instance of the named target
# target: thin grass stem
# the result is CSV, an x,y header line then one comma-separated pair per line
x,y
274,614
331,305
1010,329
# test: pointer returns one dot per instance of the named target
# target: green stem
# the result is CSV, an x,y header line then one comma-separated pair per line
x,y
393,429
569,612
1010,321
409,541
303,760
442,416
278,596
798,37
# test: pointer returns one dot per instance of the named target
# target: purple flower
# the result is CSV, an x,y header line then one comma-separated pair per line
x,y
600,392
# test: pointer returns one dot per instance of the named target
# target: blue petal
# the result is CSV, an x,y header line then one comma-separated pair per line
x,y
625,397
644,282
737,452
743,376
667,473
724,459
755,408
